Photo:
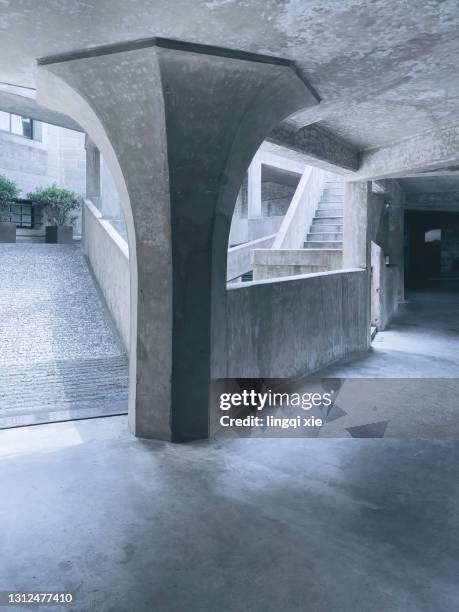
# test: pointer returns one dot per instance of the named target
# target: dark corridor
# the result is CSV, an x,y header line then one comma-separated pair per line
x,y
431,247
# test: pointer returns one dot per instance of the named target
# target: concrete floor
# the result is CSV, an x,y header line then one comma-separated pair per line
x,y
407,385
421,342
259,525
315,525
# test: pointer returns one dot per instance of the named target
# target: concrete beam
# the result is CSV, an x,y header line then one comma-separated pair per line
x,y
420,153
319,146
447,200
277,157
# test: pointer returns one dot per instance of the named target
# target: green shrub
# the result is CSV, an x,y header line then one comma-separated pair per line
x,y
58,204
9,191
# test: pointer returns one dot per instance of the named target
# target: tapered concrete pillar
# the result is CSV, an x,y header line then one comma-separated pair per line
x,y
178,125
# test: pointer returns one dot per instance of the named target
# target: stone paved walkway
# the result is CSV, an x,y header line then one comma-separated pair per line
x,y
60,354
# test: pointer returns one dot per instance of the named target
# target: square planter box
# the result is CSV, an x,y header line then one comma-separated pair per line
x,y
7,232
62,234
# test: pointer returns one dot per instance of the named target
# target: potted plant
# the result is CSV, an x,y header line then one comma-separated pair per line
x,y
58,205
9,191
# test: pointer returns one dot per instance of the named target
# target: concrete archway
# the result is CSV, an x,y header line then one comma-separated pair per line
x,y
178,125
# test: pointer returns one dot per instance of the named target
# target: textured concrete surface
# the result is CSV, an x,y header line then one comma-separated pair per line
x,y
371,58
60,350
229,525
284,262
108,255
422,341
292,326
194,187
437,148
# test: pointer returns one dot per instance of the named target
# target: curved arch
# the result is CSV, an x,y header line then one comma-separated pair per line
x,y
280,98
55,92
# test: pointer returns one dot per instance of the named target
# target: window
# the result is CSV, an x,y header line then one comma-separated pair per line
x,y
16,124
432,235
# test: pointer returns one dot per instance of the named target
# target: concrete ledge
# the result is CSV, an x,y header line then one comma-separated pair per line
x,y
291,279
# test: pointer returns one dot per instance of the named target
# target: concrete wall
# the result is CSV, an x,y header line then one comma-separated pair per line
x,y
450,251
384,289
294,326
275,198
59,157
386,233
108,256
246,230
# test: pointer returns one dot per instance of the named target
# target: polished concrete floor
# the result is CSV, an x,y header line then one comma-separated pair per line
x,y
408,383
421,342
229,525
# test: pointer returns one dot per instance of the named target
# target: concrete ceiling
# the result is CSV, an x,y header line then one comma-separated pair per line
x,y
384,69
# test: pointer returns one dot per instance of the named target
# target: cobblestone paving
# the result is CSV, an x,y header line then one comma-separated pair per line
x,y
59,349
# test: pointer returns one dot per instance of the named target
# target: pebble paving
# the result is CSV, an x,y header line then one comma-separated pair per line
x,y
59,348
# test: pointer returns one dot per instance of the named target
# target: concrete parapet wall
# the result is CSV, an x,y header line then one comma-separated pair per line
x,y
294,326
277,263
108,256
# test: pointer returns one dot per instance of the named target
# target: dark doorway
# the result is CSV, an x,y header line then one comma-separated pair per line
x,y
431,247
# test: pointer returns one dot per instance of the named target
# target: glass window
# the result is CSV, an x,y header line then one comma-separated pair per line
x,y
27,127
23,126
4,121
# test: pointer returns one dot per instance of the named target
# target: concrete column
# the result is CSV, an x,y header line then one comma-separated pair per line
x,y
178,125
397,245
254,188
356,235
92,172
356,243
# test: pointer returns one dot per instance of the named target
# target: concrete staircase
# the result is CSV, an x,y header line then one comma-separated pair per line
x,y
326,231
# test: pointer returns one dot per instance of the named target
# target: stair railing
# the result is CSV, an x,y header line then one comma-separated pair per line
x,y
300,213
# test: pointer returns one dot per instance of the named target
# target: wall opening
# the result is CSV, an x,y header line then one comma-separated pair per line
x,y
63,355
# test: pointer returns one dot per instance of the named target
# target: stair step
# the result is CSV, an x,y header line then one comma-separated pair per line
x,y
330,212
333,191
326,236
324,244
327,228
330,204
330,220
